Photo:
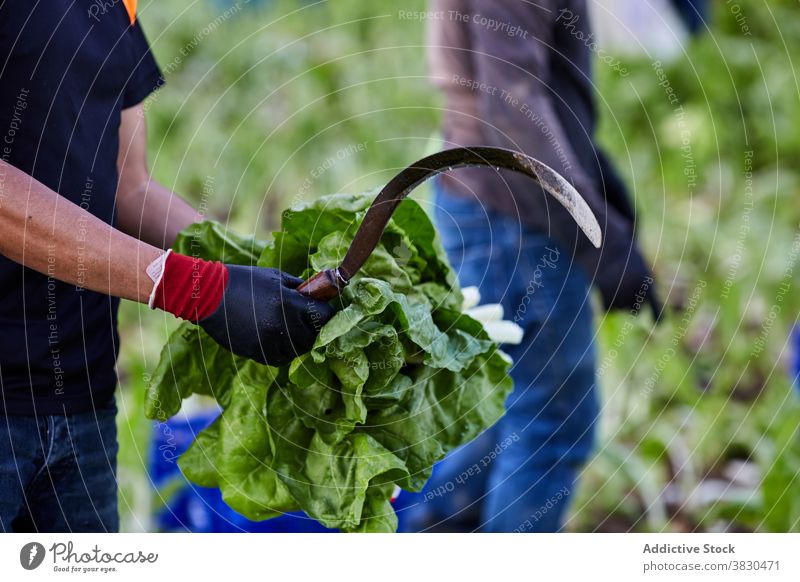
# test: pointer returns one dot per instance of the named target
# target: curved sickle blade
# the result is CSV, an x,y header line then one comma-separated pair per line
x,y
379,214
328,284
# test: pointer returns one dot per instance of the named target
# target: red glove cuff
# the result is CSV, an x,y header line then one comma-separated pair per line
x,y
190,288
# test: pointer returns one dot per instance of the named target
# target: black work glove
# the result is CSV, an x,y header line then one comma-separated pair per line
x,y
263,317
628,284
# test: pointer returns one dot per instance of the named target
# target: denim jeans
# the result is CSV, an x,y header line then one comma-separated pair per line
x,y
523,469
58,473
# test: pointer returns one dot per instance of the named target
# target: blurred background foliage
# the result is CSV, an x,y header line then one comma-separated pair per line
x,y
268,105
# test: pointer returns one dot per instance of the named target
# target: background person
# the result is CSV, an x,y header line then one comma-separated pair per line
x,y
531,90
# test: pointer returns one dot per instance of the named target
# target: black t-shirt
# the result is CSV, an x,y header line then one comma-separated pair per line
x,y
67,70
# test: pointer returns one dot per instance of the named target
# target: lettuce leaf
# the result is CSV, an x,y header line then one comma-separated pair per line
x,y
398,378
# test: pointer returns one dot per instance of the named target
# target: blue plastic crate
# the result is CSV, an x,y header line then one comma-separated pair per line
x,y
796,358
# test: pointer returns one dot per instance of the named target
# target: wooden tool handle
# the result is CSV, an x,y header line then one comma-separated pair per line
x,y
323,286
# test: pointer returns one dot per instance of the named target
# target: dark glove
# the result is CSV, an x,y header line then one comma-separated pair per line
x,y
263,317
628,284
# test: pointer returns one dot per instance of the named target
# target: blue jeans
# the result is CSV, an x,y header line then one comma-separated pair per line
x,y
524,468
58,473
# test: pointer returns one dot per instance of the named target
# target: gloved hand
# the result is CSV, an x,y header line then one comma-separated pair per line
x,y
253,312
263,317
627,283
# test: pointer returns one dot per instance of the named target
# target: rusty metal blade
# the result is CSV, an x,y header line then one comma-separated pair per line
x,y
379,214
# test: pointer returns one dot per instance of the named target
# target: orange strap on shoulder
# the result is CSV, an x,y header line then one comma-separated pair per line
x,y
130,6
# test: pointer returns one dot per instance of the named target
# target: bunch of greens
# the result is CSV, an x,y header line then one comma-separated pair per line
x,y
399,377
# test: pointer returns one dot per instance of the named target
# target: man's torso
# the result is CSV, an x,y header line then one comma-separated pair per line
x,y
64,68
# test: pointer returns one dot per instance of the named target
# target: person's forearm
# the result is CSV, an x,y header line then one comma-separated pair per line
x,y
41,230
145,209
153,213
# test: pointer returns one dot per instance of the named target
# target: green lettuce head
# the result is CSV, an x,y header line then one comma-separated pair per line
x,y
396,380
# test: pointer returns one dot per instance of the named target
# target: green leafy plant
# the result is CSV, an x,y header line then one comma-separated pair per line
x,y
399,377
